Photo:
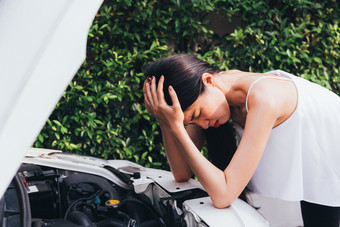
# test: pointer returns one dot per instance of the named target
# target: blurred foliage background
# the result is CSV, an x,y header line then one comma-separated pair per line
x,y
102,112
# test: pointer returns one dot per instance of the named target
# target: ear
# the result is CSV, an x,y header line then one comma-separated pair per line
x,y
208,79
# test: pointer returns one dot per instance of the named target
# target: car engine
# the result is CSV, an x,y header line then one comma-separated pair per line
x,y
58,197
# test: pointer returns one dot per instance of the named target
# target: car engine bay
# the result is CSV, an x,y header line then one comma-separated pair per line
x,y
53,197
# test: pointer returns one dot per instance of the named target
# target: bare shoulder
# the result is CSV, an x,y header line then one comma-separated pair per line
x,y
261,97
233,71
277,95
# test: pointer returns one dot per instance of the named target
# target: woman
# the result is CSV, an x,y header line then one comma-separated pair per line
x,y
288,130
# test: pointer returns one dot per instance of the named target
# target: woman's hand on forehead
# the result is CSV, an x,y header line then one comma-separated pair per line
x,y
171,116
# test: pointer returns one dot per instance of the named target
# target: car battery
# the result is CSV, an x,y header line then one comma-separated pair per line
x,y
42,190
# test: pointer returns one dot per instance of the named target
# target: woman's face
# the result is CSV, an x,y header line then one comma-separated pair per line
x,y
210,109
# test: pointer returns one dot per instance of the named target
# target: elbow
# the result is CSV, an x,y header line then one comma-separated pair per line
x,y
221,203
182,177
223,199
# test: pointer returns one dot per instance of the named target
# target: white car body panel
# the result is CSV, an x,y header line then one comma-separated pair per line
x,y
239,214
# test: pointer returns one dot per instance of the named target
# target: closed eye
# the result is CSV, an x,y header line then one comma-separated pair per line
x,y
193,116
199,114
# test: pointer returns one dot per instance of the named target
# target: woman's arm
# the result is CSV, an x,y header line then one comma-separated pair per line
x,y
225,186
179,168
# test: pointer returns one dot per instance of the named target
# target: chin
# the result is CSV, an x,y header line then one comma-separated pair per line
x,y
225,119
223,122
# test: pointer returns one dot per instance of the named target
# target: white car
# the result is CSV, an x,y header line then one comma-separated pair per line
x,y
42,45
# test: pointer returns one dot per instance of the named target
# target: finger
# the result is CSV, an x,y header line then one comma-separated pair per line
x,y
174,98
144,85
160,89
146,100
153,90
149,95
147,104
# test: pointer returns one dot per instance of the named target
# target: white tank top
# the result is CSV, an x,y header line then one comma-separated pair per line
x,y
301,160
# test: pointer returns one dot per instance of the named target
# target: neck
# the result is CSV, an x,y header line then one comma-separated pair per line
x,y
227,81
230,83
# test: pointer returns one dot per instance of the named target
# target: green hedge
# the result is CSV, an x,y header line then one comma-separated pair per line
x,y
102,113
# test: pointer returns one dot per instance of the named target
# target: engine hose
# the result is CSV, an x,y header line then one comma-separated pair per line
x,y
154,214
123,215
79,200
90,213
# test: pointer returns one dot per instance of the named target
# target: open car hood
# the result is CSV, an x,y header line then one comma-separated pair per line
x,y
42,45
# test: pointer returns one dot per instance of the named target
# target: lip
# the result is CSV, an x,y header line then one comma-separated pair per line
x,y
217,123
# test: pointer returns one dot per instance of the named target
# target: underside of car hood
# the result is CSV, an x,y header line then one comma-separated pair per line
x,y
43,44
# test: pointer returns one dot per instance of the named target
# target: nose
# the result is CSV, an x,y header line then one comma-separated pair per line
x,y
204,124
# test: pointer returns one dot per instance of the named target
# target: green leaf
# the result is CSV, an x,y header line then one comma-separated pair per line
x,y
41,138
318,60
